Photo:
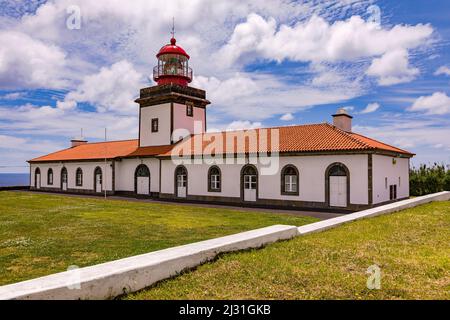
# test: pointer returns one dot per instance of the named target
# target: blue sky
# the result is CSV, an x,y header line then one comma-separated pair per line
x,y
263,63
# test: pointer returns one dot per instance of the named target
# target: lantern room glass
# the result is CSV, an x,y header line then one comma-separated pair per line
x,y
173,65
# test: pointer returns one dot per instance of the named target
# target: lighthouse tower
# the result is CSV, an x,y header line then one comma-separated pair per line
x,y
171,109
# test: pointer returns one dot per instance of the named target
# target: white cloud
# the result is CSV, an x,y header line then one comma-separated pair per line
x,y
27,62
13,96
46,121
371,107
111,89
442,70
260,97
317,40
414,133
112,31
239,125
392,68
19,143
326,78
438,103
287,117
348,108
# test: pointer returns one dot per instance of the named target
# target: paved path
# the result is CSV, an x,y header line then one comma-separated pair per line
x,y
314,214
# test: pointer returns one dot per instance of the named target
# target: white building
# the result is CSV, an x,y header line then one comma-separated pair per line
x,y
316,166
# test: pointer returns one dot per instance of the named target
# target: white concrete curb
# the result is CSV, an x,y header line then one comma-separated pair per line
x,y
114,278
389,208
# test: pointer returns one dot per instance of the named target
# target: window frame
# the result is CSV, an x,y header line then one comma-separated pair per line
x,y
155,125
290,171
393,192
189,109
214,171
79,177
50,174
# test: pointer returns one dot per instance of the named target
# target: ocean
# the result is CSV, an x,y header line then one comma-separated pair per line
x,y
14,179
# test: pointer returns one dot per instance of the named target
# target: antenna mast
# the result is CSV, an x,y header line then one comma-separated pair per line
x,y
173,27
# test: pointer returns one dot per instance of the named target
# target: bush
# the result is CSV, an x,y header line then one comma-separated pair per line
x,y
426,180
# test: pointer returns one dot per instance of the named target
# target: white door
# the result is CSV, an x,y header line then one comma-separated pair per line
x,y
249,187
98,183
64,182
338,191
38,181
181,186
143,185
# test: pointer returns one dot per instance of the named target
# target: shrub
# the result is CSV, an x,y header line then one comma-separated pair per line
x,y
426,180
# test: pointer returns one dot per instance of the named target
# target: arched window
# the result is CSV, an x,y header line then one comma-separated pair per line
x,y
181,182
338,170
50,177
214,179
79,177
289,180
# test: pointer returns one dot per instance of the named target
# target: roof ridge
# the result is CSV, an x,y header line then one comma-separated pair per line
x,y
276,127
99,142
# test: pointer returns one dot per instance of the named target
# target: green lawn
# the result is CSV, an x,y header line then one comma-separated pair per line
x,y
43,234
411,247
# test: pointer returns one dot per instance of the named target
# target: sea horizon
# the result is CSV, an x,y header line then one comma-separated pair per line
x,y
14,179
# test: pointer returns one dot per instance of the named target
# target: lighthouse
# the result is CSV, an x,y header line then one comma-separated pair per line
x,y
171,109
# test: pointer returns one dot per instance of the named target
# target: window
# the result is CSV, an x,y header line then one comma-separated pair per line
x,y
289,180
50,177
155,125
214,178
250,178
79,177
181,180
385,183
399,181
181,177
142,171
189,109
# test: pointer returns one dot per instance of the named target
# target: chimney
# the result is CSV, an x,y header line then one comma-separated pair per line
x,y
343,120
78,142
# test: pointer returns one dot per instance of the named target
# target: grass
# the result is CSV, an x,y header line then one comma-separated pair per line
x,y
43,234
411,248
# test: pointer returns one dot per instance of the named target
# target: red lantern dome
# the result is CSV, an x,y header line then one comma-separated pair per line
x,y
173,65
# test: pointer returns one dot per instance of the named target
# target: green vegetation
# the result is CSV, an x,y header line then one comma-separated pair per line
x,y
426,180
43,234
411,248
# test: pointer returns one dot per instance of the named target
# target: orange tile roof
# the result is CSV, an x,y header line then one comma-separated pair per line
x,y
150,151
91,151
379,145
301,138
